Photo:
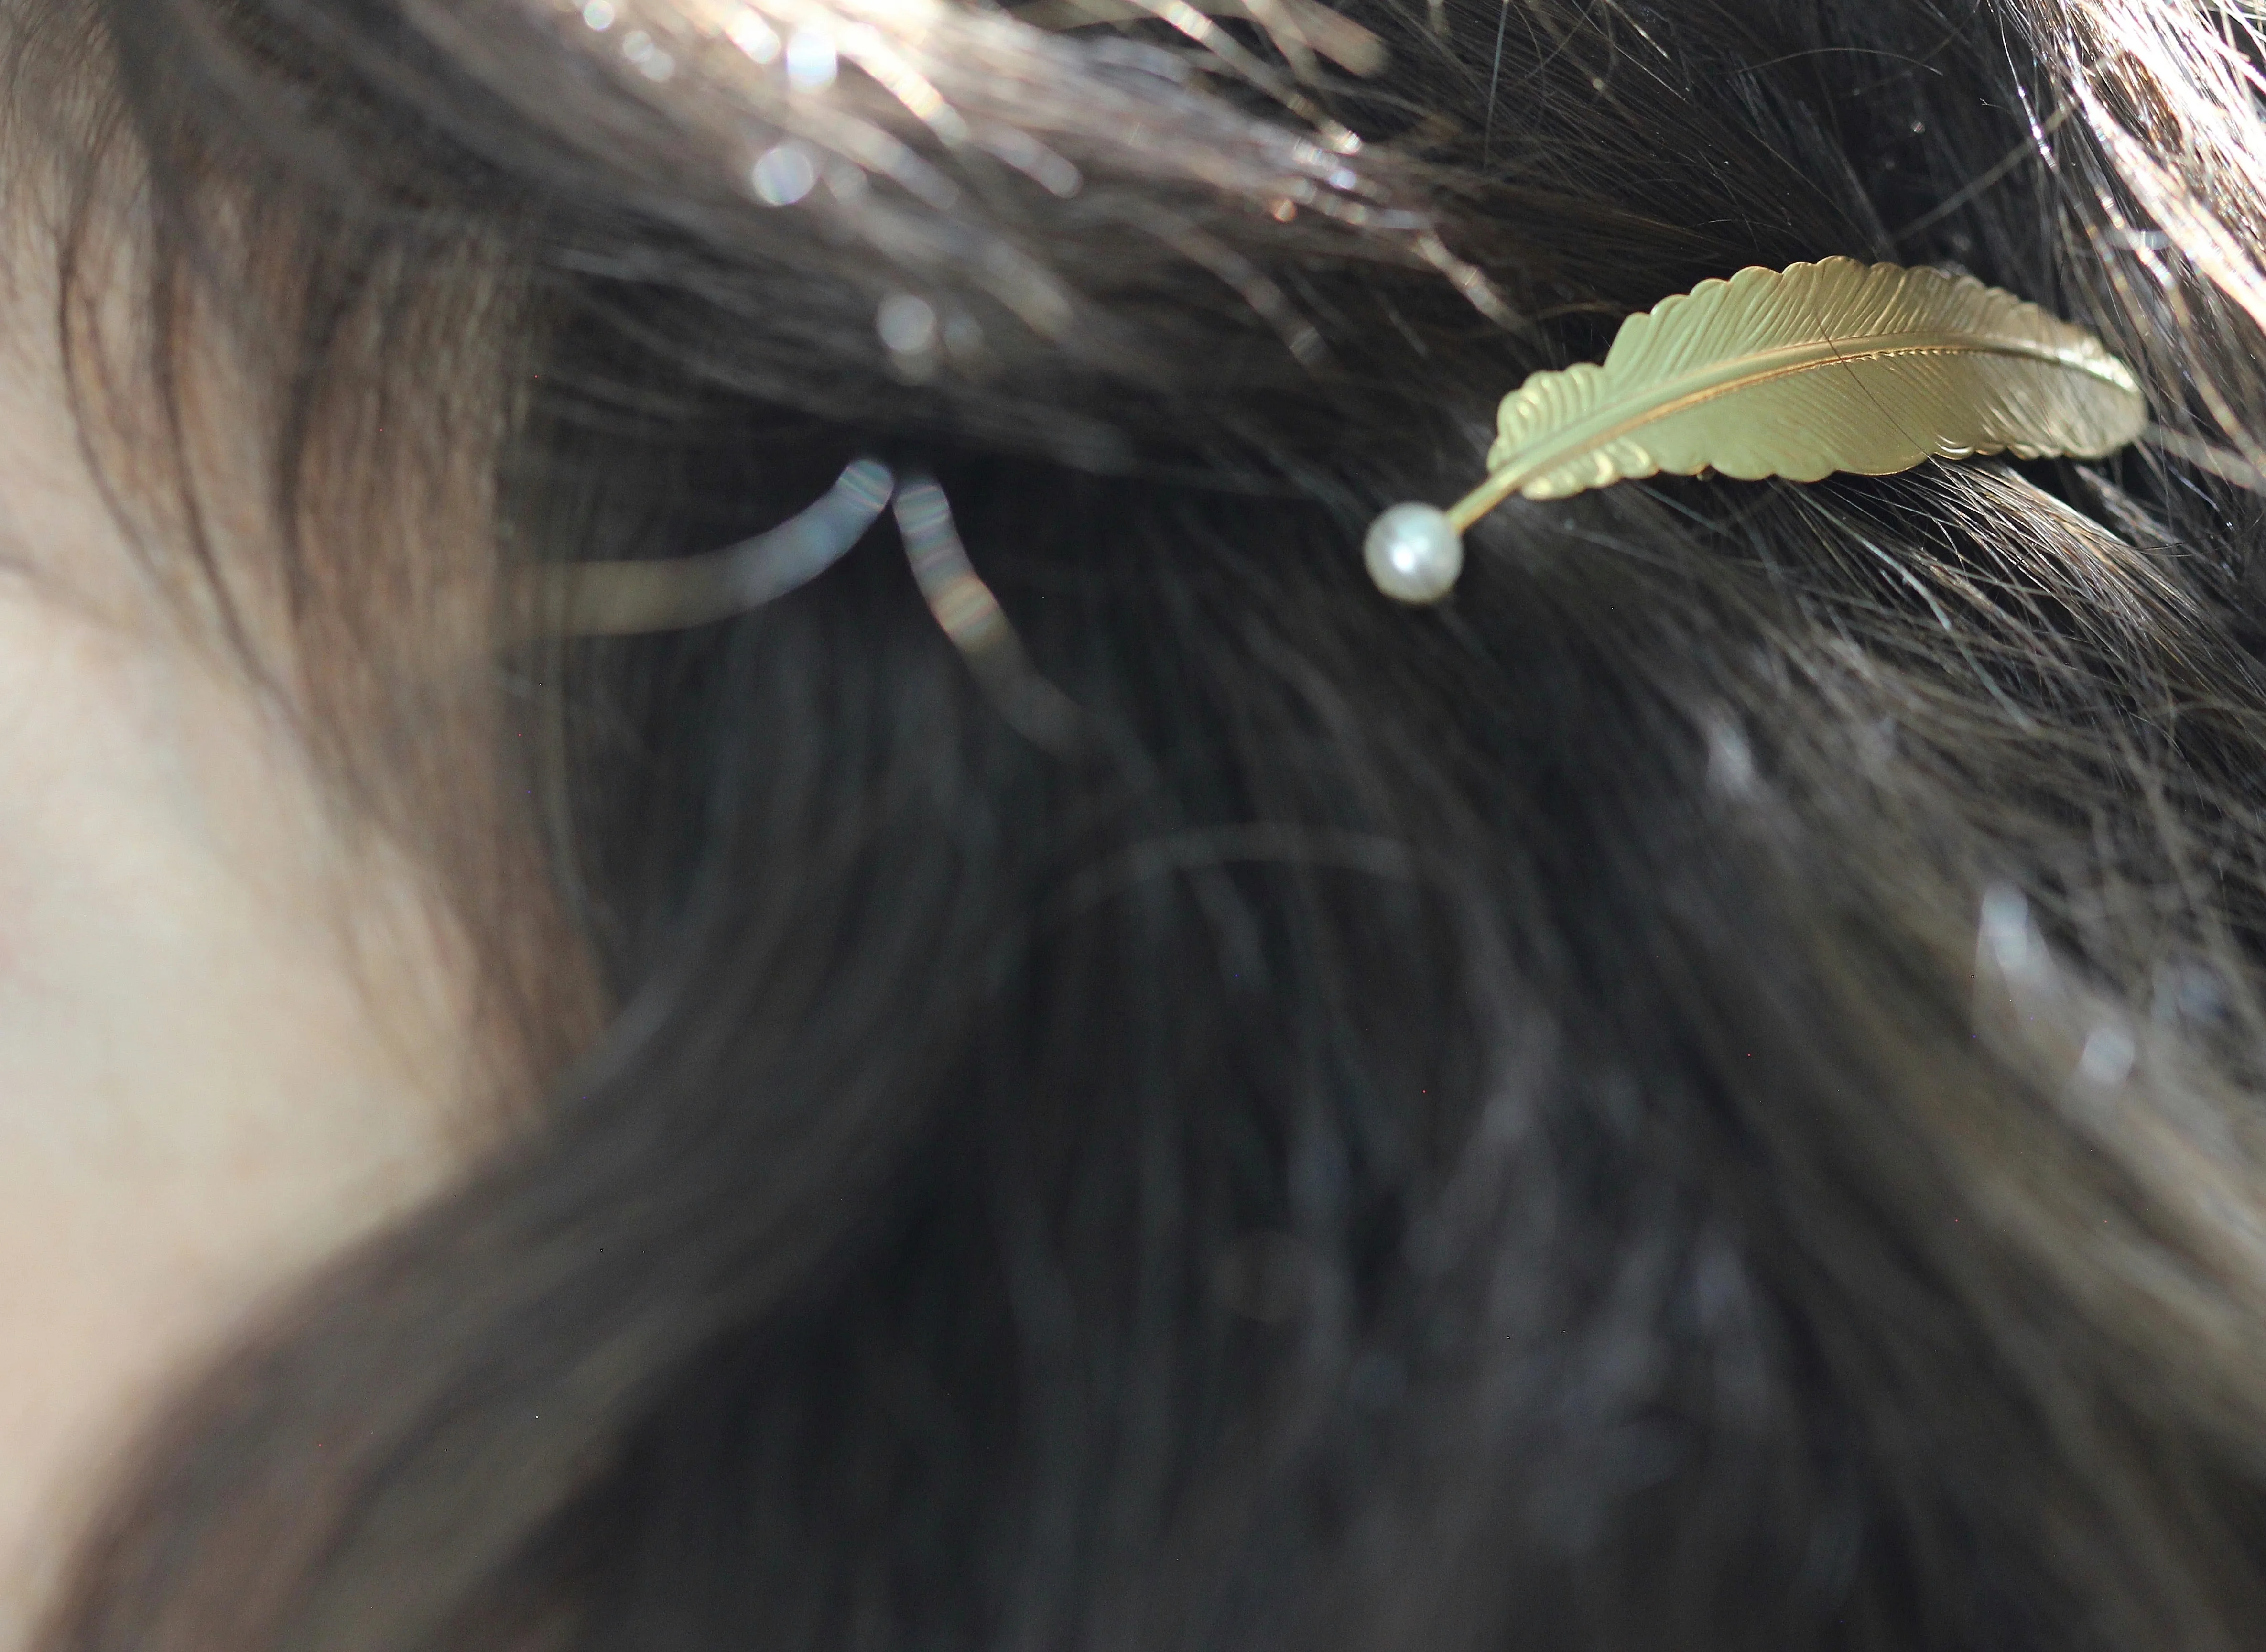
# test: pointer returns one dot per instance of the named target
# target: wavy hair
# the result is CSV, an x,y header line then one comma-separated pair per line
x,y
1704,1093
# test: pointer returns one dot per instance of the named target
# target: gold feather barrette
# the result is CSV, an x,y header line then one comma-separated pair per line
x,y
1799,372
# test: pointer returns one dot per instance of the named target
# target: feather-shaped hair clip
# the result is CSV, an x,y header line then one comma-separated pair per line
x,y
1800,372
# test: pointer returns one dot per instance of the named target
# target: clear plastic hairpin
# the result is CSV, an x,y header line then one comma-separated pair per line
x,y
618,599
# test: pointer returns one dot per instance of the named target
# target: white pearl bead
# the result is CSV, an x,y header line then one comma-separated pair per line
x,y
1414,553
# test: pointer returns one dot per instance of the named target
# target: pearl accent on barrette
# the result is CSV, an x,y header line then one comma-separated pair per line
x,y
1796,373
1414,553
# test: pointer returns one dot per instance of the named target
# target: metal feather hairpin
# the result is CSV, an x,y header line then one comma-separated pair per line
x,y
1796,373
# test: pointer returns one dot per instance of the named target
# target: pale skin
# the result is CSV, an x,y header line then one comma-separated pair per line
x,y
233,1040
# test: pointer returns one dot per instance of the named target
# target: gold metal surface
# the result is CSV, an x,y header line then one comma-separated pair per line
x,y
1804,371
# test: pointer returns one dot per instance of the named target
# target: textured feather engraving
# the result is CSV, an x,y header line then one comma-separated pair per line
x,y
1817,368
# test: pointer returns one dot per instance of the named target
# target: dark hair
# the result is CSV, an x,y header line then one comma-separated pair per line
x,y
1702,1094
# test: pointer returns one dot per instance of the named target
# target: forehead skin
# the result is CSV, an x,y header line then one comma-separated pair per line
x,y
231,1043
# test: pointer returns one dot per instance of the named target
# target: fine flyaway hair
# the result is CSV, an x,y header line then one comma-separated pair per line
x,y
1060,1074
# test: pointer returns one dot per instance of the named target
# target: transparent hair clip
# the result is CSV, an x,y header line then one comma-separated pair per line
x,y
618,599
970,615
